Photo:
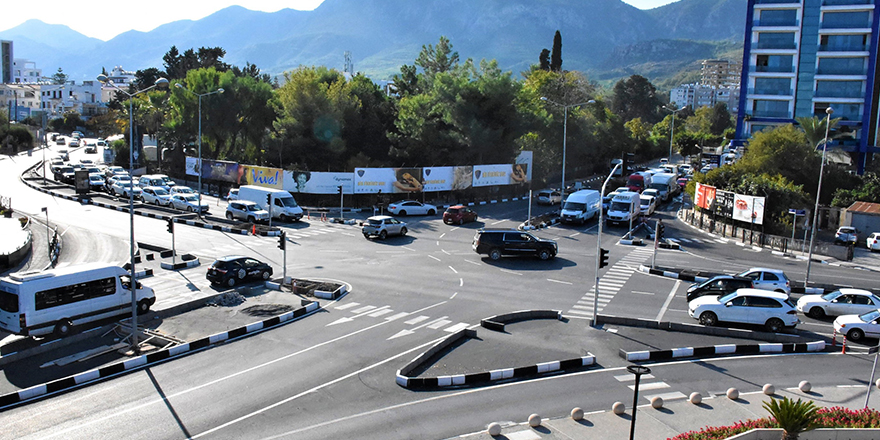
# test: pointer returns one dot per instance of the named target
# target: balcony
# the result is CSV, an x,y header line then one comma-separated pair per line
x,y
773,92
775,2
842,71
785,45
776,23
768,114
844,2
772,69
838,94
844,48
862,24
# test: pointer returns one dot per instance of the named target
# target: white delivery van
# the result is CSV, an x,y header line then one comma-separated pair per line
x,y
581,206
283,206
619,171
624,207
666,185
53,301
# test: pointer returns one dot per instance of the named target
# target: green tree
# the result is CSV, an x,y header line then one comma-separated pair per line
x,y
59,77
794,417
814,129
720,119
556,54
544,59
439,59
636,97
866,190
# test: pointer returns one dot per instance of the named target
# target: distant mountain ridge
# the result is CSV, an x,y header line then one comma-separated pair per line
x,y
384,34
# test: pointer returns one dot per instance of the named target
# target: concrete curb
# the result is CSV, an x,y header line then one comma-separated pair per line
x,y
674,353
497,322
698,329
423,383
124,367
698,279
185,264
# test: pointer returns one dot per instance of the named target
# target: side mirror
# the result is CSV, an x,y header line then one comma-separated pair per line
x,y
728,304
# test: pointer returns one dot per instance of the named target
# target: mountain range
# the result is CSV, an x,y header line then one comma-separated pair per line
x,y
606,38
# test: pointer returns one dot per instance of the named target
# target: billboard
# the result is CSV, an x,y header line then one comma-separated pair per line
x,y
261,176
724,203
748,209
387,180
704,195
524,158
491,175
438,178
312,182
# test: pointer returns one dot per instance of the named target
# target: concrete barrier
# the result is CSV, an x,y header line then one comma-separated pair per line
x,y
715,350
498,322
698,329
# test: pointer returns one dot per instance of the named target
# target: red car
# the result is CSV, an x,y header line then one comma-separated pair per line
x,y
459,214
682,182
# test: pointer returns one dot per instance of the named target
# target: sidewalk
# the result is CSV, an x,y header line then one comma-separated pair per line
x,y
674,418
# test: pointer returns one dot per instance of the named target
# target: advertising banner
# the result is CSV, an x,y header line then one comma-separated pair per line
x,y
261,176
524,158
724,203
704,195
438,178
491,175
748,209
464,178
387,180
192,166
311,182
219,170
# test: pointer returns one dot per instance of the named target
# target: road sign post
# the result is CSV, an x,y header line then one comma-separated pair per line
x,y
795,213
173,251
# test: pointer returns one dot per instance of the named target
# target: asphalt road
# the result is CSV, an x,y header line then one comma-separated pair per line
x,y
332,375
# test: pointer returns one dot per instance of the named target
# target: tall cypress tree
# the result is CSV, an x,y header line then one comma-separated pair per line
x,y
544,59
556,56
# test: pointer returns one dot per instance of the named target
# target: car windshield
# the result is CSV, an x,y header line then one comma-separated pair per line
x,y
96,178
161,192
646,202
167,180
191,198
658,186
724,299
375,222
870,316
186,190
452,210
847,230
831,295
619,206
123,178
287,202
575,206
251,208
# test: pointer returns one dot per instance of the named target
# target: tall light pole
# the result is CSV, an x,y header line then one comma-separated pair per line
x,y
672,130
199,95
160,83
828,112
565,134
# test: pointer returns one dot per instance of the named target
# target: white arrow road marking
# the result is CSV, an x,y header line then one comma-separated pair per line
x,y
367,310
413,330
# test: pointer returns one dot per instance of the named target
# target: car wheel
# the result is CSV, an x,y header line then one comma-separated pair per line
x,y
63,328
403,231
817,312
495,254
230,282
189,208
229,216
284,218
143,306
544,254
402,212
780,291
266,275
156,202
774,325
461,221
708,319
855,334
431,212
241,273
367,236
383,235
251,219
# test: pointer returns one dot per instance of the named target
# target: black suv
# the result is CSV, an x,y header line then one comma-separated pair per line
x,y
720,285
236,268
498,242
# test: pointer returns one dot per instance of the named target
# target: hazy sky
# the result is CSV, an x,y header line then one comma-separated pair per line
x,y
105,19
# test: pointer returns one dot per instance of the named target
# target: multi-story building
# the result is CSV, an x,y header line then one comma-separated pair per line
x,y
26,71
20,100
698,95
803,56
6,61
720,73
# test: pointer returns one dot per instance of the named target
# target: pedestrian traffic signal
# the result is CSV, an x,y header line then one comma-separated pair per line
x,y
282,241
268,201
170,225
603,257
661,229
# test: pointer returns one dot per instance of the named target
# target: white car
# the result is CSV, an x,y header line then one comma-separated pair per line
x,y
156,195
648,204
768,279
96,181
839,302
655,193
188,202
622,189
411,207
182,190
773,310
124,188
873,242
233,194
857,327
246,210
382,226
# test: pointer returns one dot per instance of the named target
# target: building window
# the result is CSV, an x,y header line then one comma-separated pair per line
x,y
774,63
776,40
763,108
773,86
846,20
844,43
841,66
778,17
839,89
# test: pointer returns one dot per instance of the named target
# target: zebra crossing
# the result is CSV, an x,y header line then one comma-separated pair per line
x,y
417,321
700,240
292,234
650,383
610,283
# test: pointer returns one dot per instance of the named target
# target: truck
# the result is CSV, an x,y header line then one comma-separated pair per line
x,y
581,206
280,204
666,185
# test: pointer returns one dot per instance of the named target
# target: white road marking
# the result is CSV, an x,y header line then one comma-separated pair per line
x,y
397,316
360,310
460,282
343,307
668,300
417,320
453,295
434,257
450,268
631,377
456,327
642,293
557,281
439,323
442,235
651,386
510,271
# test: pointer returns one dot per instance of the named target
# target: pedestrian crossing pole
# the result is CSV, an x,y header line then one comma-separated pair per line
x,y
656,243
282,244
599,249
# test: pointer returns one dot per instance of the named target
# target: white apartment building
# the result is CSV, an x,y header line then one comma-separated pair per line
x,y
26,71
698,95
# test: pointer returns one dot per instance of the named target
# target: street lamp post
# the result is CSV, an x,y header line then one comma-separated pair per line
x,y
199,95
828,112
672,129
565,134
160,83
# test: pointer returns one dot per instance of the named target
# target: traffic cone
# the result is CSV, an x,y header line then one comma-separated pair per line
x,y
843,351
254,230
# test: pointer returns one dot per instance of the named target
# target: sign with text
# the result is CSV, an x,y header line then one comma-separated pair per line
x,y
311,182
724,203
261,176
490,175
387,180
438,178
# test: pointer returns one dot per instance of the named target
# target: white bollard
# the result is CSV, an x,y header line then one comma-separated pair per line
x,y
618,408
494,429
577,414
534,420
696,398
732,393
657,402
769,389
805,386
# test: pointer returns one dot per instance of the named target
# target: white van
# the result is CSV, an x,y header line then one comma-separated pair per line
x,y
581,206
283,206
53,301
624,207
666,185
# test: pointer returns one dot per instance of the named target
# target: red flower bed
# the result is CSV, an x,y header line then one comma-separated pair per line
x,y
835,417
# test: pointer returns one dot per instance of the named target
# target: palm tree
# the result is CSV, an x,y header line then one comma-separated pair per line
x,y
814,129
794,417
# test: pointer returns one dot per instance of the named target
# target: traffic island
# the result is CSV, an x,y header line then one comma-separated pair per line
x,y
720,350
700,276
797,337
184,261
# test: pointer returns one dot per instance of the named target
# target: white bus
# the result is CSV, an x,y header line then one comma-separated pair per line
x,y
53,301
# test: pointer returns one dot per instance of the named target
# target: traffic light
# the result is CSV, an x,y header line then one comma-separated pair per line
x,y
282,241
170,225
629,161
661,229
603,257
339,189
268,201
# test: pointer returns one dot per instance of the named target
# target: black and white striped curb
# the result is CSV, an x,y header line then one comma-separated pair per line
x,y
120,368
484,377
674,353
183,264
